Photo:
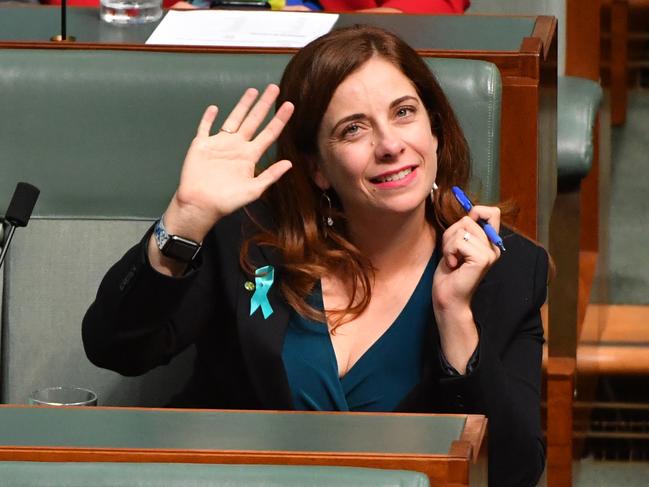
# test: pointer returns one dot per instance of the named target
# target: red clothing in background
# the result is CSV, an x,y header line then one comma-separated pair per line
x,y
406,6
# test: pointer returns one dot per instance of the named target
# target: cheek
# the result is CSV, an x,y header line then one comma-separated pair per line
x,y
346,162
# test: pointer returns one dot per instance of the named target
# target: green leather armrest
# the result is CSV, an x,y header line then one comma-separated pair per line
x,y
41,474
578,101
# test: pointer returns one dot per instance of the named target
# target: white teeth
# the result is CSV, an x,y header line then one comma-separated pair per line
x,y
395,177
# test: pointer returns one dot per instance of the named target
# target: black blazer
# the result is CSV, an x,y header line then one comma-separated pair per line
x,y
141,319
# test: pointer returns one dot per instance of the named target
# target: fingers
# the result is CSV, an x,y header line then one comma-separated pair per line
x,y
205,125
490,214
257,114
244,120
466,240
239,112
271,175
271,131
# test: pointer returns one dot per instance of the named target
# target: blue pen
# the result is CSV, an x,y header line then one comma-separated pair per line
x,y
491,232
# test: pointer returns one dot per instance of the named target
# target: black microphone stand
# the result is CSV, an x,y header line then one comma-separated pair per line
x,y
63,36
5,244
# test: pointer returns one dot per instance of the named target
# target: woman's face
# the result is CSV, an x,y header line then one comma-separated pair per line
x,y
376,147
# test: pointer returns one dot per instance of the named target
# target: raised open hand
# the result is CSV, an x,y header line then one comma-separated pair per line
x,y
218,175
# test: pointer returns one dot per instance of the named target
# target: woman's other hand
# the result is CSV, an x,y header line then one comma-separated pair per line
x,y
467,255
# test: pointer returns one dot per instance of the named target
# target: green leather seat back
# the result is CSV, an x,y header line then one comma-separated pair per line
x,y
103,135
41,474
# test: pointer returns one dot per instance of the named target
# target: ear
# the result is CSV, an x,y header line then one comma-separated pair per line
x,y
318,175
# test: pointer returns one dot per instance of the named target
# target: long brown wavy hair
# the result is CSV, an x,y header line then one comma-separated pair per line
x,y
308,248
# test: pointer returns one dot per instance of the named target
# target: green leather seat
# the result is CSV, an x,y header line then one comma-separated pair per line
x,y
50,474
103,135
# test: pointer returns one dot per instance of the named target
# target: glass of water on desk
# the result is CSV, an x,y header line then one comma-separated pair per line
x,y
129,12
63,396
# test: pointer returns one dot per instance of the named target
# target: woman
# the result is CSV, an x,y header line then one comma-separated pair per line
x,y
343,276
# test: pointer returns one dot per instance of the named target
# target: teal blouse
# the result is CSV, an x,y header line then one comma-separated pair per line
x,y
380,379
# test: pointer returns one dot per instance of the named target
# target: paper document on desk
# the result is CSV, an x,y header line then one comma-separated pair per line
x,y
241,28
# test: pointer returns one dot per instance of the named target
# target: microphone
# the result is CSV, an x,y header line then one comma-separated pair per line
x,y
18,213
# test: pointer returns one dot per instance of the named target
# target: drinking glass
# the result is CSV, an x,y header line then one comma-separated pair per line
x,y
128,12
63,396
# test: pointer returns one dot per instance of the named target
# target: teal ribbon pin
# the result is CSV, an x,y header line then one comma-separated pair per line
x,y
264,277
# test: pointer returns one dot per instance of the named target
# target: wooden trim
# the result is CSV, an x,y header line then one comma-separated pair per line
x,y
613,359
560,389
587,268
474,433
545,29
437,469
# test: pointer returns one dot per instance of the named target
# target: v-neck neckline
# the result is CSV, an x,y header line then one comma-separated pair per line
x,y
388,331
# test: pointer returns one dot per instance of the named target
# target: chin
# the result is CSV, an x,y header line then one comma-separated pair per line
x,y
406,206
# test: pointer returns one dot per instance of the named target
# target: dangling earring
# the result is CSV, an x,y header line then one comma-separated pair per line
x,y
432,191
327,220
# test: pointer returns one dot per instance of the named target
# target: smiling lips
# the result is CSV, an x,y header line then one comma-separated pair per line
x,y
397,178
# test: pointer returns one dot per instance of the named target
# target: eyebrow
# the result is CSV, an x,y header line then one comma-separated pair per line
x,y
361,116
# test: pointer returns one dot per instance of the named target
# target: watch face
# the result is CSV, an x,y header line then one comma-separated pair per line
x,y
180,249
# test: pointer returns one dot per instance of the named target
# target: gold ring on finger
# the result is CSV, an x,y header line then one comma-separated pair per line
x,y
227,131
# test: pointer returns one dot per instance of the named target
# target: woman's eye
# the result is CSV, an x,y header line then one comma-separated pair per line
x,y
351,129
405,111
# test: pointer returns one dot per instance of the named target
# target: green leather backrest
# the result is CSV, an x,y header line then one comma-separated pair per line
x,y
71,474
103,135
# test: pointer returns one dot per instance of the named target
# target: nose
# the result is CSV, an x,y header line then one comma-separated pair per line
x,y
387,144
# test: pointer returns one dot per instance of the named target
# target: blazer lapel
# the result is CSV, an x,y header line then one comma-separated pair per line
x,y
262,338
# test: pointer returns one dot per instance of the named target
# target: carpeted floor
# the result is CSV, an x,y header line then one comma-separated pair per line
x,y
591,473
629,221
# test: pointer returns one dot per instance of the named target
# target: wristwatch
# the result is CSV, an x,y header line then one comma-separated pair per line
x,y
175,247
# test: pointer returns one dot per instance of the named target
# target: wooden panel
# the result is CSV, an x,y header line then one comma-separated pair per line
x,y
560,386
583,38
519,152
442,469
617,323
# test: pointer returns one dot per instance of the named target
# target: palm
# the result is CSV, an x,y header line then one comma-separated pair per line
x,y
218,175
